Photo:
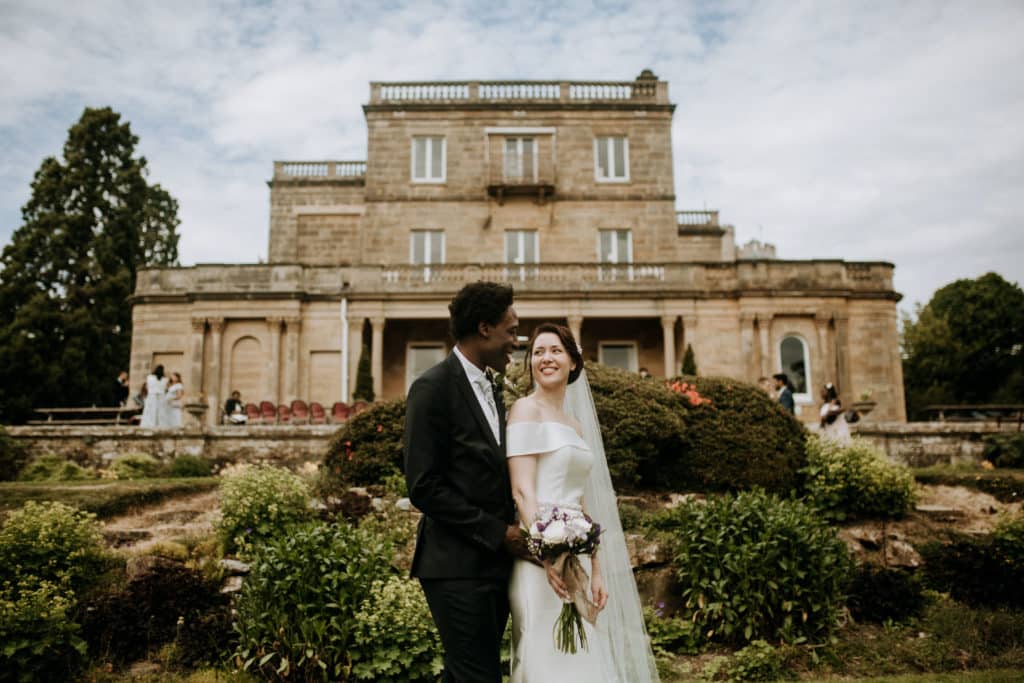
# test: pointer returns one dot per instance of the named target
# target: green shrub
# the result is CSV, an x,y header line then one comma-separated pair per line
x,y
1005,450
51,467
364,378
190,466
670,635
296,612
758,661
38,637
395,638
983,571
137,466
13,457
259,502
855,480
754,566
366,450
52,542
881,594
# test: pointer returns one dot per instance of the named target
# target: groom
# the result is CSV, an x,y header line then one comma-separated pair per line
x,y
455,469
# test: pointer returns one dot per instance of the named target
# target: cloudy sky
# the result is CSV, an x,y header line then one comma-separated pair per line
x,y
833,129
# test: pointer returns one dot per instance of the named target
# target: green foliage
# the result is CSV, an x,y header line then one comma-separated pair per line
x,y
395,638
190,466
965,345
364,379
296,613
259,502
91,222
52,467
52,542
38,636
981,571
394,484
689,368
742,440
1005,450
670,635
879,594
855,480
1004,486
105,497
13,456
137,466
758,661
366,450
753,566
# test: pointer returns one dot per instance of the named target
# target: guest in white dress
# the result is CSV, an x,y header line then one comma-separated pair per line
x,y
556,456
152,409
833,418
172,402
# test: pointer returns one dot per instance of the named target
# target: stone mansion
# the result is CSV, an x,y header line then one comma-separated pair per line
x,y
565,190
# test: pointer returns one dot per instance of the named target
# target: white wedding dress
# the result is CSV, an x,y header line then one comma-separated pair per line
x,y
563,465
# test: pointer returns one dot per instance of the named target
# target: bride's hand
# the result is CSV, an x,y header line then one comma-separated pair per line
x,y
556,582
598,590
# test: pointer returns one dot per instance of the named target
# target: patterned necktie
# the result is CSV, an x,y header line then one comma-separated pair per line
x,y
492,417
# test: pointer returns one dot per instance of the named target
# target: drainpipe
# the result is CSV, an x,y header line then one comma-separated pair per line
x,y
344,349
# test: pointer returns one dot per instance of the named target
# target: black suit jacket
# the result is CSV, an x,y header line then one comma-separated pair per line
x,y
457,476
786,399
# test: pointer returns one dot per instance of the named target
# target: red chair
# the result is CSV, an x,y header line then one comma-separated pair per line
x,y
317,415
284,414
359,406
252,413
300,412
268,412
340,412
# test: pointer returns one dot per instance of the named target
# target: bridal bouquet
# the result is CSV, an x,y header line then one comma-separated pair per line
x,y
560,535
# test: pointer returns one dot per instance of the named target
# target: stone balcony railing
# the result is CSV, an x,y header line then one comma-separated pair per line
x,y
697,219
319,170
213,281
642,90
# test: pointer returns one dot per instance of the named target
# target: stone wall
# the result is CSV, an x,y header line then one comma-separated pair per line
x,y
922,444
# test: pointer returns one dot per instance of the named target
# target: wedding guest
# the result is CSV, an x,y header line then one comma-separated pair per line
x,y
234,409
173,400
156,387
785,390
645,373
833,421
121,390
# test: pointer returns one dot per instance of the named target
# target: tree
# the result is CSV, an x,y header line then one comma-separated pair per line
x,y
689,362
966,345
364,378
92,221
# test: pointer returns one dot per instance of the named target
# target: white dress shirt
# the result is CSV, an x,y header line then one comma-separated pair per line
x,y
481,387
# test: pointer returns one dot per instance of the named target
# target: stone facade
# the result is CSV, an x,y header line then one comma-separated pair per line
x,y
565,190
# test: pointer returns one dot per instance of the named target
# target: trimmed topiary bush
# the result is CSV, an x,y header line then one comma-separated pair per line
x,y
855,480
754,566
185,466
137,466
259,502
366,450
51,467
296,612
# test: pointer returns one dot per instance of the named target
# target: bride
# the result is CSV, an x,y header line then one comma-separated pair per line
x,y
556,457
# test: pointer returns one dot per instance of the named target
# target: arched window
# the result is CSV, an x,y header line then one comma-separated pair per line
x,y
796,364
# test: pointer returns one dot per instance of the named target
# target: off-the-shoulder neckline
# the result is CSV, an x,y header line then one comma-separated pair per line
x,y
542,422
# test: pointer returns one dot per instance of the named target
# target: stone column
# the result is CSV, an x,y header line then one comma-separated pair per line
x,y
377,356
293,331
355,348
748,349
273,373
842,347
196,352
668,339
213,394
826,356
764,328
575,324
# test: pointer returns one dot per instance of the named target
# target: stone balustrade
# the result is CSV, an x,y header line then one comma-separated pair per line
x,y
645,90
696,219
827,278
328,170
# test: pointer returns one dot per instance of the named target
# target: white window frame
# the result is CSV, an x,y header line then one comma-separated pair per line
x,y
431,140
409,379
608,270
522,177
427,249
608,140
634,365
518,268
808,396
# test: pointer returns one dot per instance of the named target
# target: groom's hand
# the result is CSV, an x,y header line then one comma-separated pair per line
x,y
516,546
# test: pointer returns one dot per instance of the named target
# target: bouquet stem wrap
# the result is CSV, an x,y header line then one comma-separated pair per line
x,y
569,629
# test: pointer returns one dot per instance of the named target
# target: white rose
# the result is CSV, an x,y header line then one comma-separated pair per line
x,y
554,532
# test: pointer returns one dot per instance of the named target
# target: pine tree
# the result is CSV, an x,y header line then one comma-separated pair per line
x,y
92,221
689,362
364,378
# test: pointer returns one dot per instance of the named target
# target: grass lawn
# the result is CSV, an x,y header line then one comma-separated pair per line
x,y
105,498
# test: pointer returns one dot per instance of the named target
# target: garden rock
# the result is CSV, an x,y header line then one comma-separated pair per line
x,y
232,585
899,553
644,552
234,567
404,504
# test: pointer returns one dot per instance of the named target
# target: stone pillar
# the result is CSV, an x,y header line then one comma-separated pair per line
x,y
377,356
213,394
842,347
273,367
748,349
826,353
575,325
668,339
355,348
293,332
196,351
764,328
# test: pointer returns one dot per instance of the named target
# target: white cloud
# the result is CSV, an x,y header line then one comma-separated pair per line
x,y
838,130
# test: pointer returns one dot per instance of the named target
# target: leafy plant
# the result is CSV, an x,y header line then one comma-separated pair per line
x,y
395,639
39,639
296,612
13,456
366,450
754,566
136,466
670,635
52,467
190,466
855,480
259,502
1005,450
758,661
984,571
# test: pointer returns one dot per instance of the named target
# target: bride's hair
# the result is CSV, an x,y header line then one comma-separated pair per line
x,y
568,341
